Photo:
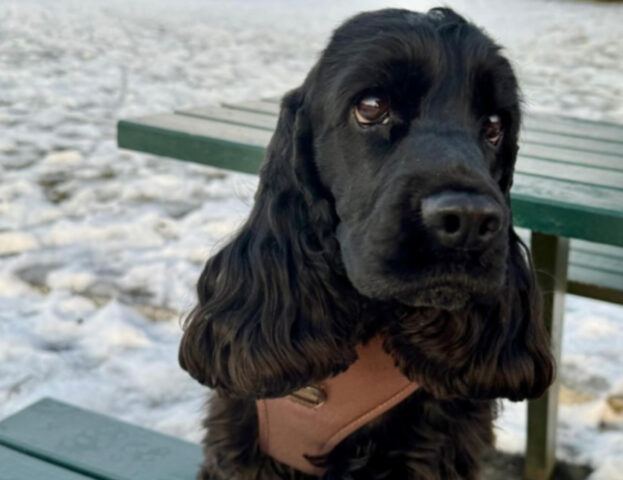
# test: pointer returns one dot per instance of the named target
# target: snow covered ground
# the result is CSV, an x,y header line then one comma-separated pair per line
x,y
100,249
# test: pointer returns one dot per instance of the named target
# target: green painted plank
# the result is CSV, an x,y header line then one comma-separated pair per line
x,y
193,147
199,127
597,248
236,117
599,162
271,102
571,142
258,106
18,466
574,173
574,196
574,127
272,99
98,446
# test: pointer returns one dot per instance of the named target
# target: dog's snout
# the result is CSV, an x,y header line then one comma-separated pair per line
x,y
462,220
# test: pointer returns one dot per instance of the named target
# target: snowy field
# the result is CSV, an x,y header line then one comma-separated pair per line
x,y
100,249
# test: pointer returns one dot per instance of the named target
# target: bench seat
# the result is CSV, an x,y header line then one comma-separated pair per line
x,y
18,466
51,440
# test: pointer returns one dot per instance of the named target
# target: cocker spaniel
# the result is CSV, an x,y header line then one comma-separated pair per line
x,y
382,218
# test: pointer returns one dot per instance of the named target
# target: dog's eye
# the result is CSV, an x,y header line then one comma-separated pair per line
x,y
372,108
493,130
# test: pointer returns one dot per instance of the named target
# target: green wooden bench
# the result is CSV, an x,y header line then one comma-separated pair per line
x,y
568,185
51,440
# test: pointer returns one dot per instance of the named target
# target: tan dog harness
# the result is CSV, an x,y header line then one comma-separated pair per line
x,y
312,421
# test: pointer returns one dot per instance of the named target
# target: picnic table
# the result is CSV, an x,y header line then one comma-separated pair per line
x,y
567,198
568,185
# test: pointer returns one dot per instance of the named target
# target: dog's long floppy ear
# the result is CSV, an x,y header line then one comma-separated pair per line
x,y
272,314
524,366
497,350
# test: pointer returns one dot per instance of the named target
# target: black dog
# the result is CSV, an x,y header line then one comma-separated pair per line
x,y
383,208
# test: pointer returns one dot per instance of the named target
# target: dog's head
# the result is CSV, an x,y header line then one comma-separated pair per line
x,y
415,123
387,184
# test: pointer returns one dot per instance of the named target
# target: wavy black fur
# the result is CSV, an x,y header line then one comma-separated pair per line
x,y
334,251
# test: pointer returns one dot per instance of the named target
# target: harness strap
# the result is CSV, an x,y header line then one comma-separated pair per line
x,y
312,421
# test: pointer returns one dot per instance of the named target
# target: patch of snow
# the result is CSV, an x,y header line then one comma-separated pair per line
x,y
16,242
66,159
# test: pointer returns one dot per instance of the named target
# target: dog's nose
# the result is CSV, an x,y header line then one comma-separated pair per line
x,y
462,220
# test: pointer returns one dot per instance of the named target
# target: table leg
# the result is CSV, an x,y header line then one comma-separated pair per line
x,y
550,255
